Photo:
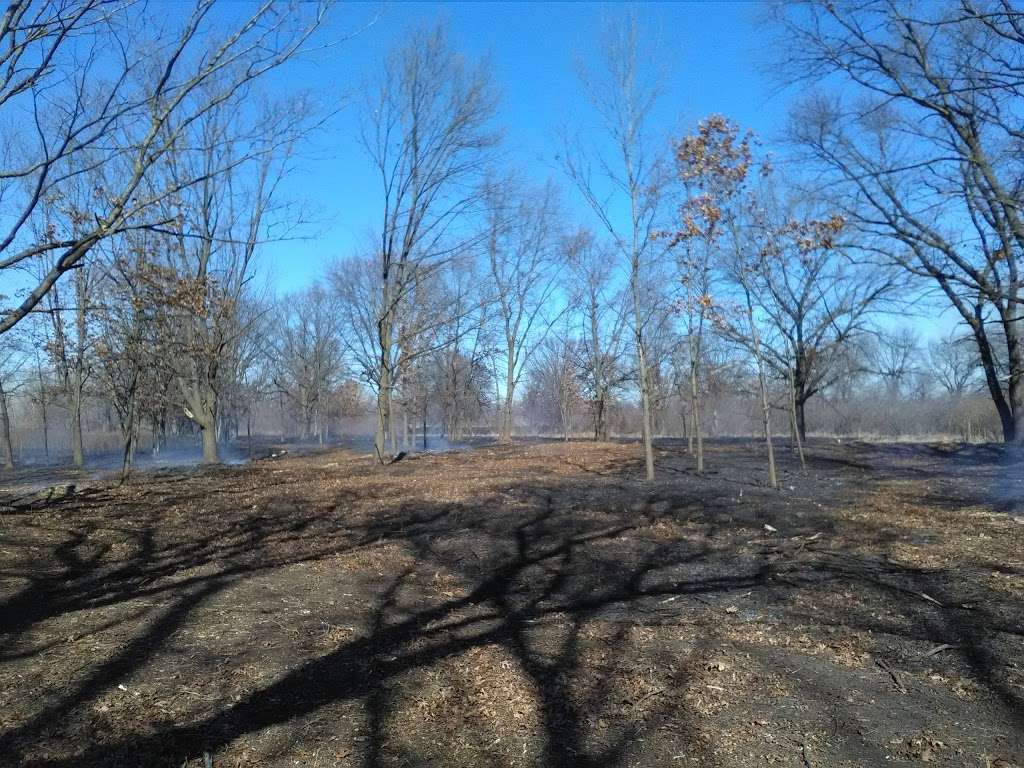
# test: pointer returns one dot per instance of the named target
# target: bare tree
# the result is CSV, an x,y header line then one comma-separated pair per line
x,y
127,349
463,374
99,92
953,360
522,241
202,278
307,352
630,177
892,357
815,302
924,156
602,319
427,131
71,348
553,389
428,319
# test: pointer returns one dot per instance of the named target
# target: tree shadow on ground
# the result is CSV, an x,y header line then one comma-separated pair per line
x,y
547,574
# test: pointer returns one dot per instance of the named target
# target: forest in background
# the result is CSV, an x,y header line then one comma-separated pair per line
x,y
716,286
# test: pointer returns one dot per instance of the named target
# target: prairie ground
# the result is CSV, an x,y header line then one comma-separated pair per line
x,y
524,606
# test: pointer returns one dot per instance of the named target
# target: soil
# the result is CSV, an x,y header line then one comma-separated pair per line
x,y
537,604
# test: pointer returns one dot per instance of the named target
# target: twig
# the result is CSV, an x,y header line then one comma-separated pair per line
x,y
938,649
647,696
896,681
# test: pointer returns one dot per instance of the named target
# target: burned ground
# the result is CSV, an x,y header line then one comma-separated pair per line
x,y
532,605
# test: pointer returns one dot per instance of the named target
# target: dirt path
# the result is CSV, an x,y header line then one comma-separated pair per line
x,y
528,606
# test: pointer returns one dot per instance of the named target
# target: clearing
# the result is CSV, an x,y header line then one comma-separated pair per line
x,y
531,605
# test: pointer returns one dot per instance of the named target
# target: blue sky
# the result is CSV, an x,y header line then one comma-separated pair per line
x,y
712,51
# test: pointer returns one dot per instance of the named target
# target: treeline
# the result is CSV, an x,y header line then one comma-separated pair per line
x,y
683,285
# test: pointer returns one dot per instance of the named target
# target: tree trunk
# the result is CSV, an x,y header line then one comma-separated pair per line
x,y
642,372
645,406
383,416
601,417
211,450
42,409
794,414
766,409
1015,382
202,410
383,389
5,430
798,385
129,444
697,437
688,428
78,385
77,448
988,365
393,435
600,384
505,435
46,430
566,409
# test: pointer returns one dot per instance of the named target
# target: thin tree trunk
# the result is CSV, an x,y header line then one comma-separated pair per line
x,y
766,413
642,374
696,437
565,407
42,409
690,429
78,384
5,430
598,363
384,390
129,442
